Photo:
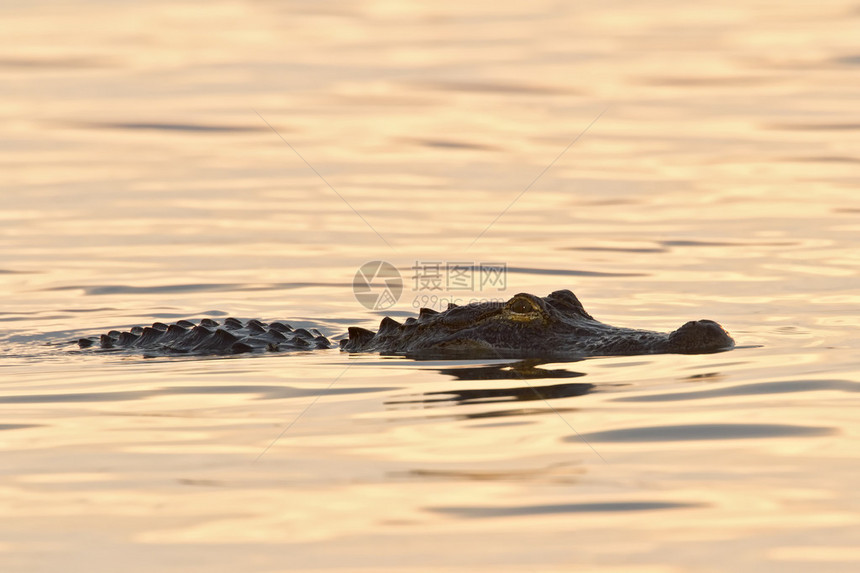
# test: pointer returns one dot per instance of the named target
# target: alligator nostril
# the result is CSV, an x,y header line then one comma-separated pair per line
x,y
521,306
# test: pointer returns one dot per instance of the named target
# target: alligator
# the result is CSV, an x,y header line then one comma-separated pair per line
x,y
524,326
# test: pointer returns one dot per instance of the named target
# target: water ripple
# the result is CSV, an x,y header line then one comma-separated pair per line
x,y
598,507
265,392
190,127
18,426
180,288
789,386
690,432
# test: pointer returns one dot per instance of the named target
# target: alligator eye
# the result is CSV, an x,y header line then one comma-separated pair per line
x,y
521,306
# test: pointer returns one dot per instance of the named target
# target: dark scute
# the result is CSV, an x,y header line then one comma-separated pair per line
x,y
114,333
240,347
425,313
105,341
301,332
138,330
232,323
159,326
148,337
185,324
85,342
256,327
275,335
281,327
218,341
209,322
460,316
196,335
126,338
388,325
451,305
272,347
222,336
360,336
300,342
174,331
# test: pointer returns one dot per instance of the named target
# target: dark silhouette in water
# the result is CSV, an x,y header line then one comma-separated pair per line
x,y
524,326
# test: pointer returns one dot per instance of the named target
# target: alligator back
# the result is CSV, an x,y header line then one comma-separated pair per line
x,y
207,336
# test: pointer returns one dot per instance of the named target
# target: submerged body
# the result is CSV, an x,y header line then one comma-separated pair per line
x,y
526,325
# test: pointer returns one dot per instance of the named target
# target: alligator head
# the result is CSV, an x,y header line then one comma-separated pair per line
x,y
529,325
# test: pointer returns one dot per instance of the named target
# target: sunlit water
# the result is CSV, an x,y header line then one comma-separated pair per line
x,y
153,160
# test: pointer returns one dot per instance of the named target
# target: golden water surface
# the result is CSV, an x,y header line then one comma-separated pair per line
x,y
666,161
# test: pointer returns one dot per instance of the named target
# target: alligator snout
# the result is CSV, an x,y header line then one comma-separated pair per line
x,y
698,336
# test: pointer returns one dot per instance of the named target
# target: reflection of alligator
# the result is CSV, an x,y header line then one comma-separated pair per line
x,y
526,325
522,370
497,395
528,369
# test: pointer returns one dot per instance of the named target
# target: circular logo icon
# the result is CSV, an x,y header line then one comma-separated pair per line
x,y
377,285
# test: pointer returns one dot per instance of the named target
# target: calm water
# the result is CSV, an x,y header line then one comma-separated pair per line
x,y
151,171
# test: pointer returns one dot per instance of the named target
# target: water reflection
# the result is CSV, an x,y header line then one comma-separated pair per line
x,y
570,272
666,246
263,392
560,472
62,63
510,413
447,144
495,87
191,127
518,394
706,82
619,249
522,370
763,388
688,432
825,159
523,510
91,290
18,426
816,126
